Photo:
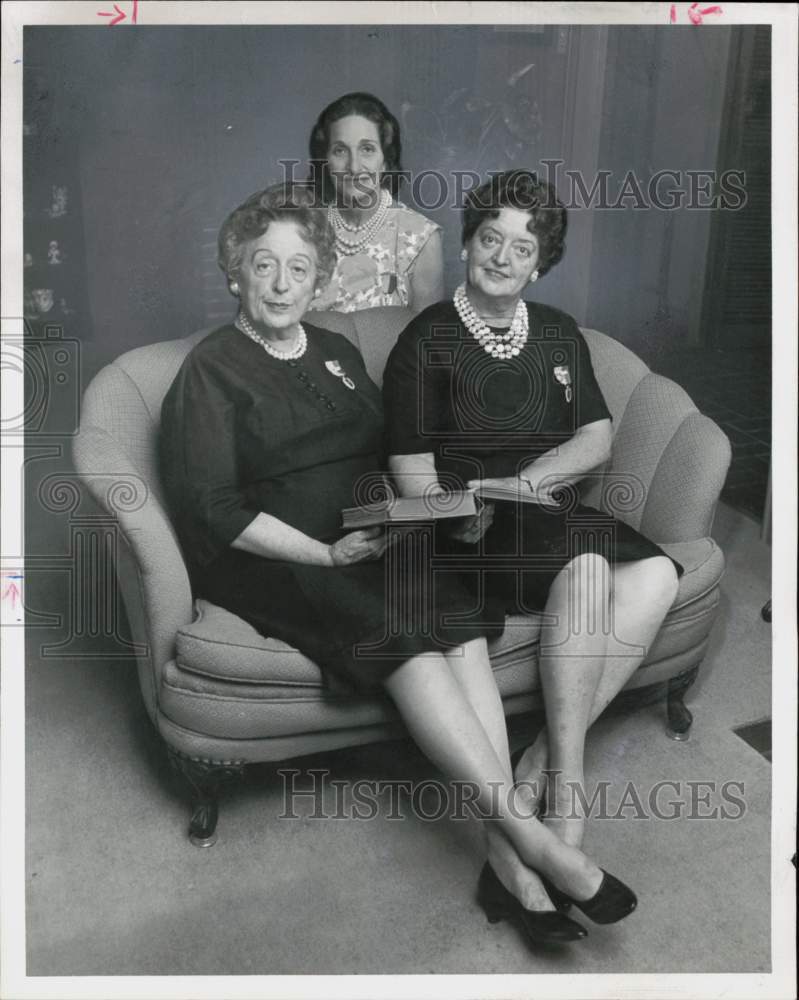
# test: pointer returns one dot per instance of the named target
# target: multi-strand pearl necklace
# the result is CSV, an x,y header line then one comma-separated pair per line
x,y
363,234
498,345
242,323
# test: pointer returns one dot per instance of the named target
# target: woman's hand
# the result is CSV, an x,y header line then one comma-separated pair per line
x,y
358,546
472,529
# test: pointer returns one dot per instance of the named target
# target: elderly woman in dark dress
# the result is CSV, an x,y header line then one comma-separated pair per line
x,y
267,428
487,389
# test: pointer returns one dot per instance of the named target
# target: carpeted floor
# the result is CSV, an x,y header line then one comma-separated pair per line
x,y
115,888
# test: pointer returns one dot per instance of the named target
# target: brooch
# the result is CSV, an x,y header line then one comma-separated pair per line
x,y
335,369
563,375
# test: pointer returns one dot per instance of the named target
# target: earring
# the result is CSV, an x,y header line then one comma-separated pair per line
x,y
533,277
464,254
317,292
234,287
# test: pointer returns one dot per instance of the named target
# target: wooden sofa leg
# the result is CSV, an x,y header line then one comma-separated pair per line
x,y
678,713
205,778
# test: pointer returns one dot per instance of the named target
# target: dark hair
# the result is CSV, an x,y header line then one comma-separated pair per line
x,y
279,203
523,190
367,106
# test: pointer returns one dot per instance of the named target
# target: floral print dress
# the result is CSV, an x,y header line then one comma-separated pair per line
x,y
379,274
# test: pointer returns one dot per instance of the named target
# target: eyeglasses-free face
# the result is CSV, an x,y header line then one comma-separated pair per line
x,y
277,278
355,160
502,256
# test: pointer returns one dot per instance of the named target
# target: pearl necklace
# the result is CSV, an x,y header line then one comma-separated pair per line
x,y
242,323
366,232
498,345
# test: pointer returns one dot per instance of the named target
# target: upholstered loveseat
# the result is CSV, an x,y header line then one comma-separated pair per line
x,y
223,696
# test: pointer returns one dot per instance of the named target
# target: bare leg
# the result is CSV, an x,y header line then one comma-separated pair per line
x,y
530,773
571,664
472,671
446,728
642,593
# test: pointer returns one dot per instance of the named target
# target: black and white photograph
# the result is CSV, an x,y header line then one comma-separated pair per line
x,y
399,499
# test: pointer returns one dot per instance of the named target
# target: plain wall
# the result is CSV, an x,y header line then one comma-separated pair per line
x,y
662,110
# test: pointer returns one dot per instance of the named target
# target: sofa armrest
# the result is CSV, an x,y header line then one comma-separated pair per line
x,y
687,481
115,484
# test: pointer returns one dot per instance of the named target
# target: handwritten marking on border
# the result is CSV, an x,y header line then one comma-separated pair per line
x,y
12,591
693,13
121,15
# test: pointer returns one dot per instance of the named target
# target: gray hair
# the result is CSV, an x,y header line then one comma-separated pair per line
x,y
279,203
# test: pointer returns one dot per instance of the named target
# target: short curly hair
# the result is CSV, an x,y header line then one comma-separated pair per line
x,y
523,190
278,203
367,106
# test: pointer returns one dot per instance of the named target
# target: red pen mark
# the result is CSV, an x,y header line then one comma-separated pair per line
x,y
11,591
120,14
694,15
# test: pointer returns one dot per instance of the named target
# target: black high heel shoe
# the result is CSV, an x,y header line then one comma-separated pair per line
x,y
612,901
541,926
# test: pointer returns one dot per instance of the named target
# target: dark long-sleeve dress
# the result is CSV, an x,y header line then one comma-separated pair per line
x,y
243,433
483,418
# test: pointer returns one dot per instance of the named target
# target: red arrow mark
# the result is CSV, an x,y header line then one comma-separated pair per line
x,y
11,591
121,15
695,16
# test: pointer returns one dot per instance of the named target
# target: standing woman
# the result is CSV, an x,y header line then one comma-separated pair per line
x,y
387,254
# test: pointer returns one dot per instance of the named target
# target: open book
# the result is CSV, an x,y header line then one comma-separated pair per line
x,y
435,507
411,510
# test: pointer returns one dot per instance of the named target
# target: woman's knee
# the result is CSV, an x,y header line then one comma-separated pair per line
x,y
582,570
581,592
652,580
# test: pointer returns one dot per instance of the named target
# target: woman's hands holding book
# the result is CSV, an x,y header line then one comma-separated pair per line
x,y
358,546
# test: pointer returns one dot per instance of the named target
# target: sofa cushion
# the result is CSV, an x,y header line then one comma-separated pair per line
x,y
219,646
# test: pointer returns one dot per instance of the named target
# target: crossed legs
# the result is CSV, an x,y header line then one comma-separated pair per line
x,y
444,724
451,706
471,669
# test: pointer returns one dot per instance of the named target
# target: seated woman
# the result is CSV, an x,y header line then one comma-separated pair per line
x,y
490,390
386,254
266,430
